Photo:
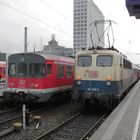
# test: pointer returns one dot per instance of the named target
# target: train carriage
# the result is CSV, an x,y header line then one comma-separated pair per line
x,y
2,71
37,77
102,76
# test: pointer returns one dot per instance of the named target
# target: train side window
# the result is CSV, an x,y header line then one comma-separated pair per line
x,y
69,71
127,64
121,62
60,70
37,69
104,61
12,69
49,68
84,61
124,63
22,69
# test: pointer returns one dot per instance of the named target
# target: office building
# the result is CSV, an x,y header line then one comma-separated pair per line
x,y
85,13
54,48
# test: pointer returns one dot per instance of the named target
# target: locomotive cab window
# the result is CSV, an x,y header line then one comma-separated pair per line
x,y
84,61
12,69
104,61
37,69
22,69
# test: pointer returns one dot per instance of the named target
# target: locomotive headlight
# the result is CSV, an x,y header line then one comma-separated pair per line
x,y
108,83
79,82
78,77
109,78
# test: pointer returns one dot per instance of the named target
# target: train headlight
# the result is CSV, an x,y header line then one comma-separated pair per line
x,y
33,85
11,84
78,77
109,78
79,82
108,83
36,85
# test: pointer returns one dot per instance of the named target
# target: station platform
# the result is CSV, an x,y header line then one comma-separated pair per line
x,y
124,122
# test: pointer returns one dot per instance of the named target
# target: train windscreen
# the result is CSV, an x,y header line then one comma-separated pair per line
x,y
24,70
84,61
104,61
37,69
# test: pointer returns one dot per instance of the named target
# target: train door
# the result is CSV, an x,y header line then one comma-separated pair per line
x,y
50,78
121,71
60,75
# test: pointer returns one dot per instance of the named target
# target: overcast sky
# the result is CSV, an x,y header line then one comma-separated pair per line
x,y
46,17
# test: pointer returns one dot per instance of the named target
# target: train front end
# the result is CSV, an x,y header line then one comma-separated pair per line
x,y
26,77
95,77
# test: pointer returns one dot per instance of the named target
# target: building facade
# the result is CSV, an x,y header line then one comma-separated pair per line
x,y
85,13
54,48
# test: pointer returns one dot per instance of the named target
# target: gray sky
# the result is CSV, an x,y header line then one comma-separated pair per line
x,y
46,17
42,17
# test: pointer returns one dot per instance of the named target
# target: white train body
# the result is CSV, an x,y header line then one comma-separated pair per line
x,y
102,76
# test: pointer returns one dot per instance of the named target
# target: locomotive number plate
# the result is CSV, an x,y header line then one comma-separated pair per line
x,y
92,74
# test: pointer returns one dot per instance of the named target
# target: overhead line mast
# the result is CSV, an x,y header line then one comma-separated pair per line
x,y
25,40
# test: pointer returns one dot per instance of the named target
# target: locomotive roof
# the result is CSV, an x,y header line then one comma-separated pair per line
x,y
103,51
54,57
50,57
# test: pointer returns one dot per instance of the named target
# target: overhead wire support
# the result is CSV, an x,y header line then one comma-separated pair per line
x,y
34,18
96,22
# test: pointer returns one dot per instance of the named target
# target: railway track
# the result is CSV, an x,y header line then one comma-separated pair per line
x,y
55,125
6,120
8,117
78,127
54,115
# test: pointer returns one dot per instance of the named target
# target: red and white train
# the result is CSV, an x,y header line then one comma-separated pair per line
x,y
2,71
38,77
